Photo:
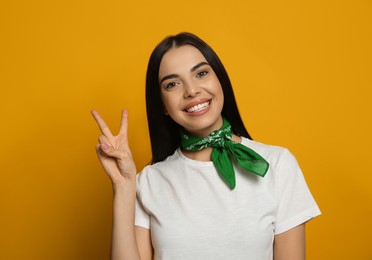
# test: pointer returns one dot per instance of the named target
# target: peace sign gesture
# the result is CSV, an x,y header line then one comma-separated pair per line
x,y
113,151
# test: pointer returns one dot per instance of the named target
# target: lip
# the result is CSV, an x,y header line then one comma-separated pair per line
x,y
195,103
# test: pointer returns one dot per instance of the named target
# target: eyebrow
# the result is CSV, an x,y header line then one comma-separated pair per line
x,y
197,66
170,76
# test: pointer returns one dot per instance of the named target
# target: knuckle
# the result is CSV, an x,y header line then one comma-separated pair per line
x,y
101,139
125,155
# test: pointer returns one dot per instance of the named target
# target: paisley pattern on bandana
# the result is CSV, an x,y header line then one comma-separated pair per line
x,y
223,147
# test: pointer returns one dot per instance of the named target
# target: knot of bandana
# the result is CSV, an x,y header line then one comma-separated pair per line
x,y
223,147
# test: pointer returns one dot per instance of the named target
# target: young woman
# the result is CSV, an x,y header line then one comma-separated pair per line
x,y
211,192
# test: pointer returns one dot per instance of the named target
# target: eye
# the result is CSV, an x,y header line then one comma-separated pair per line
x,y
171,85
202,74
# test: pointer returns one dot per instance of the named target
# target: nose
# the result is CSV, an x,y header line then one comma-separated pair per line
x,y
191,89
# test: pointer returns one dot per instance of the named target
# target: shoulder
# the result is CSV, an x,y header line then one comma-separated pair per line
x,y
152,172
169,162
278,157
266,150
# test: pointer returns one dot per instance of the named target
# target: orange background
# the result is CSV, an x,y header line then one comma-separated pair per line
x,y
301,71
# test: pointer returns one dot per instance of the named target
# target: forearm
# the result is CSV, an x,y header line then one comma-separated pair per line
x,y
123,245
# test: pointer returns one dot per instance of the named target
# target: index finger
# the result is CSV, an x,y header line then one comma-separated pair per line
x,y
124,122
101,124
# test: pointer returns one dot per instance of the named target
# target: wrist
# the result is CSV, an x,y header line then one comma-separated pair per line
x,y
127,186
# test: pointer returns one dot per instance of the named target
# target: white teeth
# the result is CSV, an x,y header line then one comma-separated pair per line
x,y
198,107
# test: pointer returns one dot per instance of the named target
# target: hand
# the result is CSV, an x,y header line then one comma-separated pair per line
x,y
113,151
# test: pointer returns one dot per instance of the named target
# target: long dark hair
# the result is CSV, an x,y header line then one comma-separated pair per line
x,y
164,132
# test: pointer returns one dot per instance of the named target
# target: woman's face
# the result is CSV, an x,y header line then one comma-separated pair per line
x,y
190,90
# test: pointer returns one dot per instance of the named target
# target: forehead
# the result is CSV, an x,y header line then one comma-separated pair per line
x,y
179,59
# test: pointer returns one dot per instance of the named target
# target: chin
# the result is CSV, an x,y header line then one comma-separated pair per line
x,y
203,126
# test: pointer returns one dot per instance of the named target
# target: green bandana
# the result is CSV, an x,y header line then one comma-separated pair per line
x,y
222,145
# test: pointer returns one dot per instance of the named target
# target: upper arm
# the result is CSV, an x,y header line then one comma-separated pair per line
x,y
290,245
143,238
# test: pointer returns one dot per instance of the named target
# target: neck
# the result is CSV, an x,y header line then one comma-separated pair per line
x,y
205,154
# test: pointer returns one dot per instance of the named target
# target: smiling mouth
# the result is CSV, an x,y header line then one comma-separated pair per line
x,y
198,107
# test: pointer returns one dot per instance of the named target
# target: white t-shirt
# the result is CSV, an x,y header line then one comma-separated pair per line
x,y
193,214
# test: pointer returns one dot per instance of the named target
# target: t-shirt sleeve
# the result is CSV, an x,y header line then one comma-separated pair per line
x,y
296,203
142,218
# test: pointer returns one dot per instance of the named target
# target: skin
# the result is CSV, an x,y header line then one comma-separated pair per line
x,y
116,159
291,244
186,80
190,81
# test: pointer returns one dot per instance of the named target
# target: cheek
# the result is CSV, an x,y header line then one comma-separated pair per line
x,y
168,104
164,104
219,91
220,97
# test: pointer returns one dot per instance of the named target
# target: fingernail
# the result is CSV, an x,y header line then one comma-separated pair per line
x,y
104,146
